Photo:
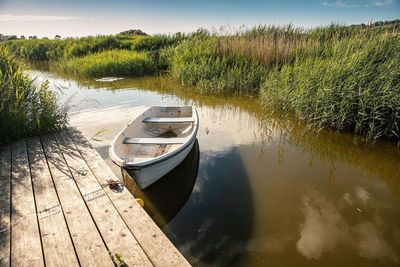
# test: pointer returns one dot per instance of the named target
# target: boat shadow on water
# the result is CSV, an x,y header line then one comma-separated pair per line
x,y
163,199
213,230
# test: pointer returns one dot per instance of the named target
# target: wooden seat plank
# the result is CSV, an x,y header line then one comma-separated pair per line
x,y
169,120
26,248
56,241
154,141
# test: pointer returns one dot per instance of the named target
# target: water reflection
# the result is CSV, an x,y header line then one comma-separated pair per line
x,y
380,160
268,191
219,213
166,197
325,228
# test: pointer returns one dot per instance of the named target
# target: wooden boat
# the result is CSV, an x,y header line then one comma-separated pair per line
x,y
155,142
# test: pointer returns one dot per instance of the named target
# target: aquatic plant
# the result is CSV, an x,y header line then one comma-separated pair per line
x,y
355,86
197,62
26,109
45,49
110,63
156,42
335,76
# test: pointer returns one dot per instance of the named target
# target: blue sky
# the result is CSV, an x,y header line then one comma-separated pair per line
x,y
78,18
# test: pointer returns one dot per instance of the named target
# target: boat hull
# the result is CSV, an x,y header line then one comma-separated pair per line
x,y
145,176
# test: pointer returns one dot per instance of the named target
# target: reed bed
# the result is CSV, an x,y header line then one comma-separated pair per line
x,y
337,77
46,50
110,63
197,62
356,87
26,109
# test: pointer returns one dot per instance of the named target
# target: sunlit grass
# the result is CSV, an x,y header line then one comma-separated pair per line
x,y
336,76
110,63
26,109
356,88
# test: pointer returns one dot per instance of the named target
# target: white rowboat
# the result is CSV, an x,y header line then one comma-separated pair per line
x,y
155,142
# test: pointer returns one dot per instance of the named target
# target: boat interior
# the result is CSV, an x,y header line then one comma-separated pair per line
x,y
157,131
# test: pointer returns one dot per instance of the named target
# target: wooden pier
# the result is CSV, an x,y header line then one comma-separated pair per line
x,y
57,209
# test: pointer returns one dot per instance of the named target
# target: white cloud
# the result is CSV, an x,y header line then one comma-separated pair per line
x,y
8,17
382,2
350,4
338,4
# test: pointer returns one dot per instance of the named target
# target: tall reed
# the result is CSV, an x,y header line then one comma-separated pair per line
x,y
26,109
356,87
110,63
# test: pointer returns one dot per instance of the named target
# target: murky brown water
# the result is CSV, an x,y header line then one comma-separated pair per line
x,y
267,191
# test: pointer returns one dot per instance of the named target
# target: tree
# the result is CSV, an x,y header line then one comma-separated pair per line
x,y
133,32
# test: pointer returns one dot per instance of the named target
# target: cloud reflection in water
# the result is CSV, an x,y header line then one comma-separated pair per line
x,y
324,229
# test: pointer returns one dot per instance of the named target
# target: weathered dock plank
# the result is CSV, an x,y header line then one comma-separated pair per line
x,y
57,245
153,241
58,210
112,228
88,243
26,249
5,202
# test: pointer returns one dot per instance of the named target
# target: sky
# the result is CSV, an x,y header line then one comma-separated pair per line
x,y
92,17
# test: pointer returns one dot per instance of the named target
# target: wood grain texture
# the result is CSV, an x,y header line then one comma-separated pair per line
x,y
58,210
88,243
26,249
112,228
5,205
153,241
57,244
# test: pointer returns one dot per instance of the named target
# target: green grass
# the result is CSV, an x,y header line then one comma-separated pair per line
x,y
45,49
110,63
337,76
356,87
158,47
197,62
26,109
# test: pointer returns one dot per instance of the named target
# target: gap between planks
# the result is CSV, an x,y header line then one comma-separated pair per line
x,y
55,211
153,241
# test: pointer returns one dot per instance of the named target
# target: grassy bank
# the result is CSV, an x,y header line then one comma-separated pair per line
x,y
45,49
339,77
356,87
198,62
135,53
109,63
26,109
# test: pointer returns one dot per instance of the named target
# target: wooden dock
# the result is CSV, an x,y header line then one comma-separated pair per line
x,y
57,209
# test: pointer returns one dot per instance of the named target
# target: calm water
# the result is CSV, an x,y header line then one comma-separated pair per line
x,y
267,192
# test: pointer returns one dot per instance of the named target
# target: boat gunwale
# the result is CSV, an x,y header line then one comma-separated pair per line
x,y
153,161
